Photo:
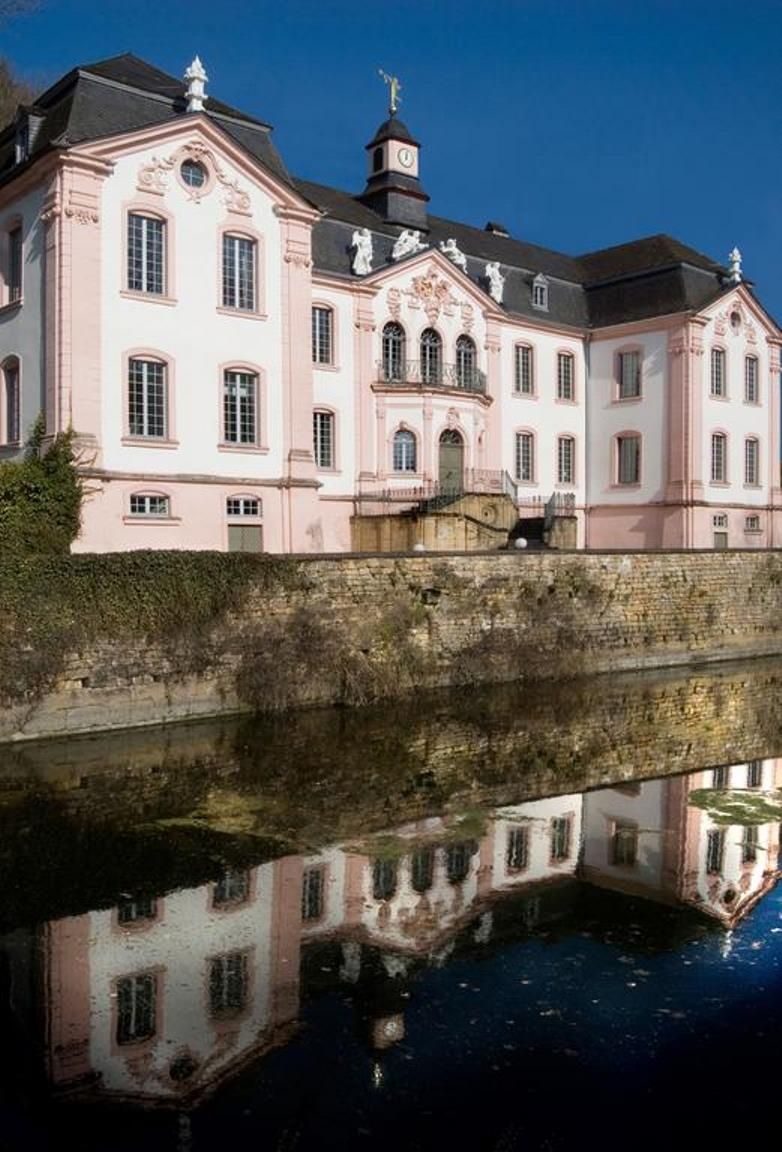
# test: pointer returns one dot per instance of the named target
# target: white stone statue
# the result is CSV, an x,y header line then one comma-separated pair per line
x,y
409,241
362,254
450,249
196,79
735,266
496,280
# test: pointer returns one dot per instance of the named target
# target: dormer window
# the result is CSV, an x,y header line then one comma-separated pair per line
x,y
22,141
540,293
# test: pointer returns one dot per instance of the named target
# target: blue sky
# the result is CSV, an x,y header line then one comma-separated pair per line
x,y
577,123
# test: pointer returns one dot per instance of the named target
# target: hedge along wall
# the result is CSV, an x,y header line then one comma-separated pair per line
x,y
100,641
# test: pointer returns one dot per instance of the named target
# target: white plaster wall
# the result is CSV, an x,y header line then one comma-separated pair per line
x,y
180,944
22,325
193,332
538,816
334,388
609,416
647,810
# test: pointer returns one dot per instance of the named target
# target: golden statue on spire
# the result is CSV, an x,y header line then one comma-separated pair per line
x,y
394,89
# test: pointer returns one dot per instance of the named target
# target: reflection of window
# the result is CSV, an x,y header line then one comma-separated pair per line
x,y
383,879
136,1008
312,894
228,984
715,850
560,838
422,869
624,844
145,908
749,844
719,777
754,773
457,862
404,451
232,888
517,848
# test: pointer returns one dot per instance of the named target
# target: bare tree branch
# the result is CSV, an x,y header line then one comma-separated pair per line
x,y
11,8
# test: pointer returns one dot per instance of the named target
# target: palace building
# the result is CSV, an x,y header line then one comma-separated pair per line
x,y
251,361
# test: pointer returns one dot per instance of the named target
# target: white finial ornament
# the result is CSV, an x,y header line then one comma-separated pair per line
x,y
496,281
196,79
735,266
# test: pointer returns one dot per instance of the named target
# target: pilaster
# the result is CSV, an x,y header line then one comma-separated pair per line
x,y
364,327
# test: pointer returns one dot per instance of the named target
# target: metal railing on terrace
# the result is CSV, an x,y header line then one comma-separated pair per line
x,y
435,493
425,375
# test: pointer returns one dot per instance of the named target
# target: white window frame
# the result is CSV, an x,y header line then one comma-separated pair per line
x,y
629,375
628,462
141,505
719,458
241,408
718,381
143,417
404,451
566,377
523,370
751,380
752,462
524,457
540,293
322,334
566,460
323,439
239,273
150,275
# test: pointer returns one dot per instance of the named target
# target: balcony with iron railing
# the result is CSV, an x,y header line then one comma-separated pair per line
x,y
423,375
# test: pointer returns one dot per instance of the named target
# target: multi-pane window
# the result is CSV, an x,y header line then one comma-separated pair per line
x,y
540,293
624,845
136,1008
383,879
11,428
720,777
393,352
719,458
240,407
525,457
560,838
751,380
232,888
565,376
457,862
751,462
565,460
243,506
752,523
517,848
629,375
523,379
312,894
142,504
135,911
228,984
628,459
465,362
323,438
715,850
754,773
15,264
431,357
719,386
749,844
146,254
404,451
422,869
238,272
322,335
147,398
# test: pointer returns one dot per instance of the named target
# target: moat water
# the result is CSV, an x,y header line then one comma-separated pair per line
x,y
506,919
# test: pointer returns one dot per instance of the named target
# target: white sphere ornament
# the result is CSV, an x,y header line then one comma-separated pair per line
x,y
419,547
520,542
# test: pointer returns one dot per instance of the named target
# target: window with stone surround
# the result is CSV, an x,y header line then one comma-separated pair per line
x,y
323,438
751,462
751,394
147,398
523,370
136,998
628,459
322,335
240,263
240,407
629,375
566,375
719,458
146,253
149,504
719,384
525,457
404,451
566,455
10,398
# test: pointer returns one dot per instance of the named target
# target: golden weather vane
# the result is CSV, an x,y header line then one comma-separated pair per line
x,y
394,89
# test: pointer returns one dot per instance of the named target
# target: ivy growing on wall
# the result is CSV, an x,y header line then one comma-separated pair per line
x,y
40,498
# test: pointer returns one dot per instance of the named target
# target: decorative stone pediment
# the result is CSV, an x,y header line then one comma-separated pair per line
x,y
734,320
154,176
432,292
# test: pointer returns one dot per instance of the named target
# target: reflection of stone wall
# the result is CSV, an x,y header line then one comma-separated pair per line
x,y
355,629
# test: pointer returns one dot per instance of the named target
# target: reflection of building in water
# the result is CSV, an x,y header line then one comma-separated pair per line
x,y
649,839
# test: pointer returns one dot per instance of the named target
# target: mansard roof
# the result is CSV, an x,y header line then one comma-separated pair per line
x,y
124,94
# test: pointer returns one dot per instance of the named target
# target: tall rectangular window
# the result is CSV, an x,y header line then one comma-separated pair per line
x,y
523,381
624,845
15,264
628,460
9,375
565,460
749,844
239,272
136,1008
240,407
146,255
719,458
629,375
565,376
560,838
719,385
147,399
232,888
228,984
751,462
720,777
751,380
715,850
754,773
323,439
517,848
322,335
525,457
312,894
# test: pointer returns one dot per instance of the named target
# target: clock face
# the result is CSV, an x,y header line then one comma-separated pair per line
x,y
406,157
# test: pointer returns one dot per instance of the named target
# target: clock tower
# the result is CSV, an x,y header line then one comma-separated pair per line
x,y
393,188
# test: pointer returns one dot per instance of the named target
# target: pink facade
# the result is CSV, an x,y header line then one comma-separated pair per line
x,y
249,359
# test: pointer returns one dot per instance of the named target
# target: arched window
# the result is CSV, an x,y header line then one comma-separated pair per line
x,y
404,451
466,374
394,352
431,357
10,421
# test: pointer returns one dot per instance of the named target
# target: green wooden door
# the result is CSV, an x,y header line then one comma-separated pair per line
x,y
451,463
245,538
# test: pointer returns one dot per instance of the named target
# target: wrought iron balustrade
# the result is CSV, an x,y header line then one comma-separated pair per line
x,y
424,375
436,493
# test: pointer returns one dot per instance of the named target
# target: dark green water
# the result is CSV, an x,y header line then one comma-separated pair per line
x,y
500,920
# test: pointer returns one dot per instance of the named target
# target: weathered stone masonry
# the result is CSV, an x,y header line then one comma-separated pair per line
x,y
353,629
